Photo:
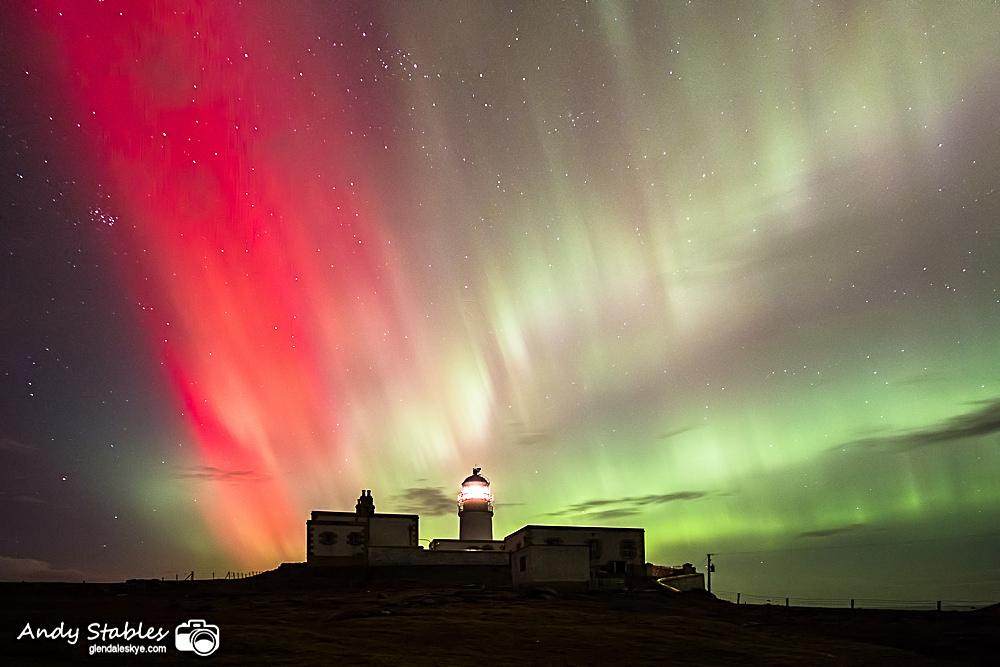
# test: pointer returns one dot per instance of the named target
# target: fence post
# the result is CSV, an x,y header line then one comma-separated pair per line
x,y
939,605
852,603
737,598
786,602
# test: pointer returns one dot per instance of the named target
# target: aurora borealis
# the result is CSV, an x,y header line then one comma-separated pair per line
x,y
725,271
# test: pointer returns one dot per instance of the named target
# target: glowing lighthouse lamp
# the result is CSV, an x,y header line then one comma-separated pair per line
x,y
475,508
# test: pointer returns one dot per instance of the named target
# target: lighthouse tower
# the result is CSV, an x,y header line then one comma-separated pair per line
x,y
475,508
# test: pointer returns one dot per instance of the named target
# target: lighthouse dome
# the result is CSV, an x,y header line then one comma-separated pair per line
x,y
475,490
476,478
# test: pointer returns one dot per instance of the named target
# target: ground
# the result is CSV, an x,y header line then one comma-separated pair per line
x,y
291,617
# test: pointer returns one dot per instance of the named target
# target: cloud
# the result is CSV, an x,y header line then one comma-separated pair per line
x,y
10,445
984,421
30,569
211,473
427,501
528,438
676,432
612,513
628,505
830,532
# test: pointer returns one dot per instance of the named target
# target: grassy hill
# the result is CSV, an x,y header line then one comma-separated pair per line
x,y
296,616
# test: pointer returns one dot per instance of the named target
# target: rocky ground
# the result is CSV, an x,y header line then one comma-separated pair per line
x,y
295,618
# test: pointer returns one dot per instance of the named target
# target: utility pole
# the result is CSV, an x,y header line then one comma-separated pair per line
x,y
710,569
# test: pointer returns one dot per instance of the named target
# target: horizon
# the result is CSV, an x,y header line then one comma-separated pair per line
x,y
726,274
830,591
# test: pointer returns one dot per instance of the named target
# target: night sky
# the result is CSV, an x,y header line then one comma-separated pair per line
x,y
729,272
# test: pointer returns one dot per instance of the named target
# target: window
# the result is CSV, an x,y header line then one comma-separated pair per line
x,y
522,563
356,539
326,538
627,548
596,549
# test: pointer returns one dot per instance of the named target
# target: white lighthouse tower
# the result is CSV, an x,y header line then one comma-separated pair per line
x,y
475,508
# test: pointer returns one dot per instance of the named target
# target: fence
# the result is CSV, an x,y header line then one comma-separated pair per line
x,y
854,603
190,576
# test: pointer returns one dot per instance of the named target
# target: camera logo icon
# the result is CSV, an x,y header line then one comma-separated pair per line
x,y
197,636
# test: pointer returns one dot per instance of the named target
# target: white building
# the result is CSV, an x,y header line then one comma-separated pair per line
x,y
575,557
560,557
347,538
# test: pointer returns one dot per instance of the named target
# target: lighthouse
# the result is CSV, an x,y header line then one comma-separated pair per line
x,y
475,508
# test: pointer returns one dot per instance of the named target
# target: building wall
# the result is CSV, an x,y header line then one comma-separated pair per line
x,y
344,538
335,538
605,558
475,524
392,531
466,545
383,556
611,550
553,566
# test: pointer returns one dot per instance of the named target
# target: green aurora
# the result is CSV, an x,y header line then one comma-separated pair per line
x,y
724,271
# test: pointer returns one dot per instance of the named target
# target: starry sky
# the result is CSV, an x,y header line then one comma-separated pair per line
x,y
725,271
